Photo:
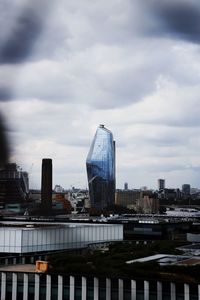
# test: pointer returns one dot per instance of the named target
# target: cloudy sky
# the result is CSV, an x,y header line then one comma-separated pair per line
x,y
132,65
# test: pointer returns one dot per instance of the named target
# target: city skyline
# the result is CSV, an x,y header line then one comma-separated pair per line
x,y
132,66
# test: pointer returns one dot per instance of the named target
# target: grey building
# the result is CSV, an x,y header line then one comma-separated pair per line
x,y
186,189
161,184
14,184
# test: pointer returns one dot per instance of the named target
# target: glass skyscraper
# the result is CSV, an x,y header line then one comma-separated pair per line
x,y
101,169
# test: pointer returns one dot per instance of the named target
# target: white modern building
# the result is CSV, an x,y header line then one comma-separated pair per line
x,y
29,238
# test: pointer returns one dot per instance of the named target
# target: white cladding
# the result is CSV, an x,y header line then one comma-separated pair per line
x,y
46,238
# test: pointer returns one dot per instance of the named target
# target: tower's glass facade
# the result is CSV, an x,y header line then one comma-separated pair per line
x,y
101,169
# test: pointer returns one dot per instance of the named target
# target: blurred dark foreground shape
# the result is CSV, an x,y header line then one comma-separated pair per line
x,y
22,31
4,146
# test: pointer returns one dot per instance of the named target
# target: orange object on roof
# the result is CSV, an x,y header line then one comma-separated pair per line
x,y
41,266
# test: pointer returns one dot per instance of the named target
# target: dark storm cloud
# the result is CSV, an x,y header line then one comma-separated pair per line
x,y
15,46
22,23
19,44
20,39
179,19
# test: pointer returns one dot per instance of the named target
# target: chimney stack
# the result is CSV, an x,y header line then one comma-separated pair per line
x,y
46,189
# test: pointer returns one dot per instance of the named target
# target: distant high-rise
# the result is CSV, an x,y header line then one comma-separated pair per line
x,y
46,189
186,189
125,186
161,184
100,165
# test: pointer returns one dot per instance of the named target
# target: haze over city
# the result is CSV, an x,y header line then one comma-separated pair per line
x,y
131,65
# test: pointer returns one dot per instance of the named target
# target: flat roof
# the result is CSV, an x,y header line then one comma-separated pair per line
x,y
19,268
190,261
51,225
30,226
164,259
195,246
148,258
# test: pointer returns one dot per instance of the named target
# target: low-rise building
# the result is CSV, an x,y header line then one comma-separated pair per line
x,y
37,237
127,198
148,204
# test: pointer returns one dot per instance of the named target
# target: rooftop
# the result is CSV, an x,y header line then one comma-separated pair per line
x,y
167,259
18,268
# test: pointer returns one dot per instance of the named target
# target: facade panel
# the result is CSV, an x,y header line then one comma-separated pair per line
x,y
27,240
100,165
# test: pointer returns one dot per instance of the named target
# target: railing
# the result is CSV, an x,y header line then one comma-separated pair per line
x,y
28,286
